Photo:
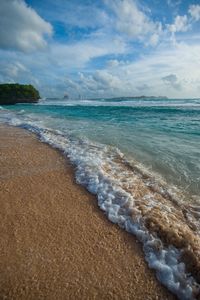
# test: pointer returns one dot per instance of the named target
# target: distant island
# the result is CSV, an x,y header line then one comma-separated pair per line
x,y
142,97
131,97
18,93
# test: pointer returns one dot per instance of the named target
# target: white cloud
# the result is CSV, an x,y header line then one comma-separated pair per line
x,y
100,81
153,41
169,71
13,70
180,24
78,54
106,80
59,61
112,63
57,75
194,11
166,70
173,3
133,22
21,28
184,23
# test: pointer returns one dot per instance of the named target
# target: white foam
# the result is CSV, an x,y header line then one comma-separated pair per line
x,y
91,160
176,103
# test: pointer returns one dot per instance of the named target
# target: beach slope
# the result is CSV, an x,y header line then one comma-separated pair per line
x,y
55,243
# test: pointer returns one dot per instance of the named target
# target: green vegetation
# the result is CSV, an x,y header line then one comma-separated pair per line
x,y
18,93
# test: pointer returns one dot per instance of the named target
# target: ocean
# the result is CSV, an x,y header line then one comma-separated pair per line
x,y
141,158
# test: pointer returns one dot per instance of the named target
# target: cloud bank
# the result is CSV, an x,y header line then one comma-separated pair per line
x,y
112,48
21,28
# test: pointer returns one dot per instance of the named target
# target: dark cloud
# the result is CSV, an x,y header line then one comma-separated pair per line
x,y
172,80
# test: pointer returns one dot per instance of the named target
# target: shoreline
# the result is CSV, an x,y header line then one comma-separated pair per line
x,y
56,243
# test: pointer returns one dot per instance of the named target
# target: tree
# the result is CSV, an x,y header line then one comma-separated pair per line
x,y
18,93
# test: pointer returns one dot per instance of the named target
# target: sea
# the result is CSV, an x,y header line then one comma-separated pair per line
x,y
141,158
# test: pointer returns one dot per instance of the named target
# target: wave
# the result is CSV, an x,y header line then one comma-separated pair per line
x,y
136,201
125,102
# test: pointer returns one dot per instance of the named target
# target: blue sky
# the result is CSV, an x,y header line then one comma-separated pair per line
x,y
102,48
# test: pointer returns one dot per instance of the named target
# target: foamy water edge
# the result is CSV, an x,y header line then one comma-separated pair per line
x,y
91,161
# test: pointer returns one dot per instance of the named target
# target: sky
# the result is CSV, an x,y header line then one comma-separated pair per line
x,y
102,48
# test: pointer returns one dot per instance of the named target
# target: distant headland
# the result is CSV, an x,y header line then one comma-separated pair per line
x,y
12,93
132,97
142,97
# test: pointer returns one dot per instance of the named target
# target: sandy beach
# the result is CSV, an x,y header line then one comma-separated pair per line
x,y
55,242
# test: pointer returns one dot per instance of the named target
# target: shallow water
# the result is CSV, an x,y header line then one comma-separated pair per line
x,y
141,159
163,135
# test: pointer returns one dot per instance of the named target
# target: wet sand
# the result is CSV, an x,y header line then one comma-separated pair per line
x,y
55,243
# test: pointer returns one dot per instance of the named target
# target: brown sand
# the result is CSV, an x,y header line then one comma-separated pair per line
x,y
55,243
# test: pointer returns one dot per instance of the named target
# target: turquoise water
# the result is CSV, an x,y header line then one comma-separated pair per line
x,y
141,158
162,135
